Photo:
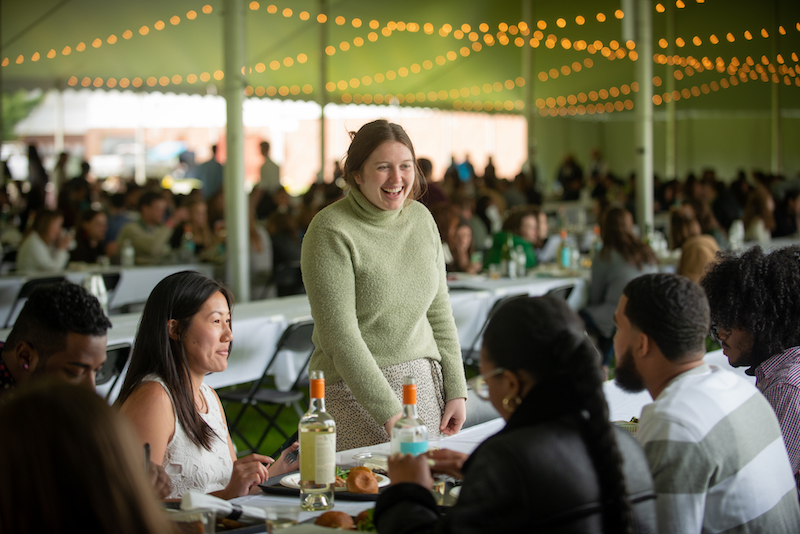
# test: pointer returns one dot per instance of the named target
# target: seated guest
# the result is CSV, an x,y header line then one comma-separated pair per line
x,y
45,247
70,465
523,225
622,258
150,235
90,243
185,333
462,249
197,231
711,438
759,215
698,250
61,331
755,313
558,465
787,213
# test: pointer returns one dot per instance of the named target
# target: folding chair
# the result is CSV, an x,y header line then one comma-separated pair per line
x,y
24,292
296,338
562,293
469,353
116,358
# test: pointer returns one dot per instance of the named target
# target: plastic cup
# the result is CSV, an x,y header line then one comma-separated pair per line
x,y
280,516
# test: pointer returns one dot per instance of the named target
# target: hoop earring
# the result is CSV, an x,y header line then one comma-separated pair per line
x,y
507,406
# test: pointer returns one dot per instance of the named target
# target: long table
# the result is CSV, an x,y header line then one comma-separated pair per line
x,y
135,283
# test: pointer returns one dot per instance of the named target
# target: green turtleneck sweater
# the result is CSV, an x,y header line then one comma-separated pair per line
x,y
376,283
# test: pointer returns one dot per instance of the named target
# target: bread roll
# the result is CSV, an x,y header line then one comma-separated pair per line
x,y
335,519
362,480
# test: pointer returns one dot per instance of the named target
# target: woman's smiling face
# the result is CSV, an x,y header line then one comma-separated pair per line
x,y
387,177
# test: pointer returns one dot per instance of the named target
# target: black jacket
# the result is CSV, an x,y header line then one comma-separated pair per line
x,y
535,475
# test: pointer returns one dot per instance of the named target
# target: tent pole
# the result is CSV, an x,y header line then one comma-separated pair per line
x,y
644,118
669,85
775,101
527,75
236,206
323,92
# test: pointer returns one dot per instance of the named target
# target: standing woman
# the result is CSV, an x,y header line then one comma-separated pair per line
x,y
375,276
185,333
622,258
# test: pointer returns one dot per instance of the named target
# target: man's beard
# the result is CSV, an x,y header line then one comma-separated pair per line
x,y
626,375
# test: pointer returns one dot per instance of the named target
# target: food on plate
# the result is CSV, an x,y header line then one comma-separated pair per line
x,y
334,519
364,521
362,480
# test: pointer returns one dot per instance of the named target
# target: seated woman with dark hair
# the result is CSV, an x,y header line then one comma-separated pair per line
x,y
90,241
185,333
523,225
558,465
70,465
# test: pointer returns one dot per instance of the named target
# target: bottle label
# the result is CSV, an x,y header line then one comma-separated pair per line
x,y
319,448
414,447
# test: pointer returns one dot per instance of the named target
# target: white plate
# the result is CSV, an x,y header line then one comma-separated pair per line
x,y
293,481
455,492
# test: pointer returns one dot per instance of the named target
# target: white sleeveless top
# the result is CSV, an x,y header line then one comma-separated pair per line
x,y
189,466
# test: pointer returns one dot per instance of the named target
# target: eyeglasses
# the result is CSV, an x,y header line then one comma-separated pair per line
x,y
478,383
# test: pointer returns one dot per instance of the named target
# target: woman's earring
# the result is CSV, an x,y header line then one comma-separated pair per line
x,y
507,406
25,366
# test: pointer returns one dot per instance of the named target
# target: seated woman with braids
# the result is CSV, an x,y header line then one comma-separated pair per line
x,y
557,466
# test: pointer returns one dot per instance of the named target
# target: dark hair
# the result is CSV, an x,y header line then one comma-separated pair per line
x,y
178,296
425,168
148,198
617,236
672,310
368,138
88,215
682,227
54,310
80,452
542,336
513,222
759,293
756,208
44,218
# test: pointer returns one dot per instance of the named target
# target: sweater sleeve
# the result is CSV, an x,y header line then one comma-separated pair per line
x,y
440,317
327,263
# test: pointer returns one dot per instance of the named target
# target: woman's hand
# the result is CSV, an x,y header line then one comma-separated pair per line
x,y
285,464
248,473
390,423
448,462
408,468
455,413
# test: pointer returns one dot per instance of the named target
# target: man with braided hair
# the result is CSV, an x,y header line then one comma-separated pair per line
x,y
755,315
712,441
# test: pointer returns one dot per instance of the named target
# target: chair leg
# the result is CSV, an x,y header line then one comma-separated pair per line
x,y
233,428
272,423
298,409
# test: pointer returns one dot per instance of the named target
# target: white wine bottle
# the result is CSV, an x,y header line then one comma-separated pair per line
x,y
317,431
409,434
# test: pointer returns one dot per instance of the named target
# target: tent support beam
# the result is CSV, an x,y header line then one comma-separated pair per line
x,y
527,75
775,105
323,92
644,118
671,129
236,206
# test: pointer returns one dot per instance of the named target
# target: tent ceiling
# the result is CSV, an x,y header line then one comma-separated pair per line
x,y
420,53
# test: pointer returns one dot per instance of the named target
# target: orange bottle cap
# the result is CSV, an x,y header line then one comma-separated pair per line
x,y
317,388
409,393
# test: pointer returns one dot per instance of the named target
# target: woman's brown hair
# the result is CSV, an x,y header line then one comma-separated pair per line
x,y
69,465
368,138
617,235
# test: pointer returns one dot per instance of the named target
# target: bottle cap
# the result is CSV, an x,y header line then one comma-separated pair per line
x,y
409,390
317,379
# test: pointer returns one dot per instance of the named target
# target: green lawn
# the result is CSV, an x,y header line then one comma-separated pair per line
x,y
252,424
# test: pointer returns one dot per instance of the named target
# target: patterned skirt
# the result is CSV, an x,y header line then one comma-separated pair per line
x,y
355,427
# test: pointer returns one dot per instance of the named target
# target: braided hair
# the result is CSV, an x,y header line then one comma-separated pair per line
x,y
544,337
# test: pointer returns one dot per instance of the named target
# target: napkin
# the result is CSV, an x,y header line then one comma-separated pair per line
x,y
223,508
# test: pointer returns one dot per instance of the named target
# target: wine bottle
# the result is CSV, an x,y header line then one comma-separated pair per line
x,y
409,434
317,431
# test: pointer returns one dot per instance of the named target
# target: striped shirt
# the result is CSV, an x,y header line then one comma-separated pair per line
x,y
778,378
717,457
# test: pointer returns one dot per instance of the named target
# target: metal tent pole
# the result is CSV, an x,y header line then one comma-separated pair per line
x,y
236,206
644,117
323,92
